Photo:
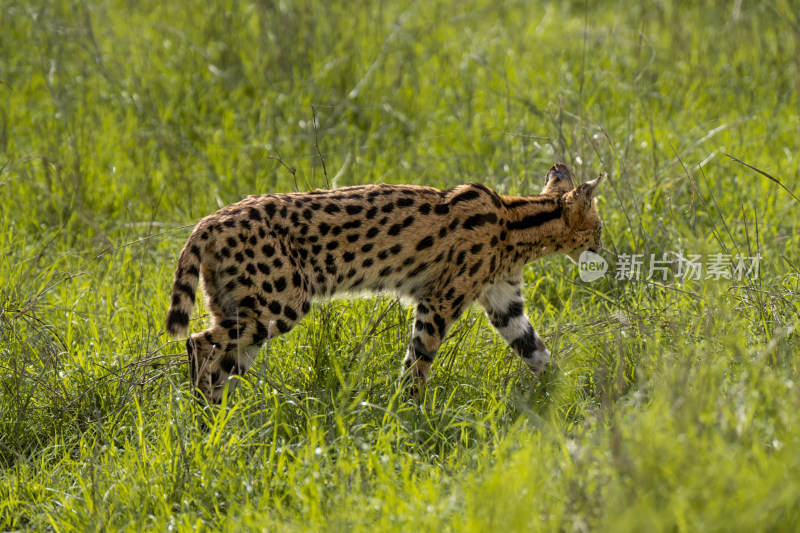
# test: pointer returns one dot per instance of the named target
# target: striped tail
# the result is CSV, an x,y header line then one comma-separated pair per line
x,y
184,288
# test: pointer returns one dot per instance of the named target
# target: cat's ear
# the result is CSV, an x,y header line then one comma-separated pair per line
x,y
586,191
558,180
579,201
588,188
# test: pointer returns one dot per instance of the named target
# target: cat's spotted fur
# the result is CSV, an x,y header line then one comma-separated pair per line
x,y
264,259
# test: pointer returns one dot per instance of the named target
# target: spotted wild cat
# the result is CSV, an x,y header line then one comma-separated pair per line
x,y
264,259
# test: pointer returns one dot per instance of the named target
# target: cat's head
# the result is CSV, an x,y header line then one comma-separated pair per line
x,y
579,210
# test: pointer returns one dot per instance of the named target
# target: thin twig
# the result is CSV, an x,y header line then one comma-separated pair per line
x,y
292,170
765,175
316,145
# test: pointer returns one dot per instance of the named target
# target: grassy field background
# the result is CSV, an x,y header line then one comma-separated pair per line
x,y
669,406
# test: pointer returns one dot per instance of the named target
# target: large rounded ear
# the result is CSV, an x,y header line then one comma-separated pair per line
x,y
579,201
558,180
585,192
589,186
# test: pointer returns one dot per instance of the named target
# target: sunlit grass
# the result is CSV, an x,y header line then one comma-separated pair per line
x,y
668,406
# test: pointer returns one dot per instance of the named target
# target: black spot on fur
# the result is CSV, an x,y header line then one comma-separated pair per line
x,y
177,319
501,320
229,323
186,289
427,242
477,266
442,209
479,220
422,267
440,324
227,363
261,334
280,284
535,220
492,195
527,344
464,196
248,302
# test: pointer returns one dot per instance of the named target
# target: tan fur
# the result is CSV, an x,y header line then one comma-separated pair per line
x,y
264,259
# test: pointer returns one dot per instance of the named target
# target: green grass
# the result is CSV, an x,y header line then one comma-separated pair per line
x,y
668,406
